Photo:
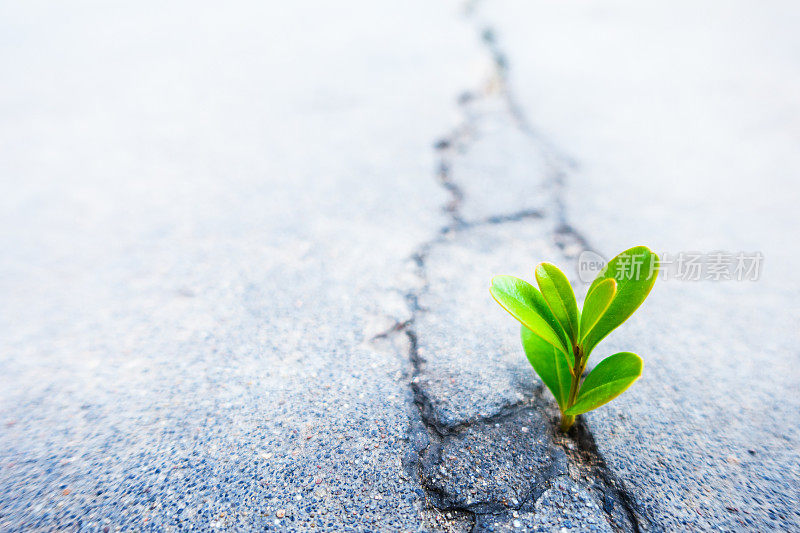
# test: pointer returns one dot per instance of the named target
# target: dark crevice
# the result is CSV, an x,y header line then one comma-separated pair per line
x,y
558,162
511,217
396,327
432,436
612,487
501,415
447,148
526,494
569,241
453,206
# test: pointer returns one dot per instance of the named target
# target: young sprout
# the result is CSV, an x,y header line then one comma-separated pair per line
x,y
558,338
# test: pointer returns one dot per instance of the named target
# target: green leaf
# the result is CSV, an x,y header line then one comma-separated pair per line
x,y
560,298
606,381
550,364
526,304
596,304
635,272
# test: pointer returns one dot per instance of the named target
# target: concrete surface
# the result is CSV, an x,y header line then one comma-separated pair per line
x,y
246,253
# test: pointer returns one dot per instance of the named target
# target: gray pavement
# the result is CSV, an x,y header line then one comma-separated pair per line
x,y
246,252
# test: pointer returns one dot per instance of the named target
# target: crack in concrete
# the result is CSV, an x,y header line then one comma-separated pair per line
x,y
578,448
614,487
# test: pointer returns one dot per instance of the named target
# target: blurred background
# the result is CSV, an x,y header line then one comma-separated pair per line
x,y
242,244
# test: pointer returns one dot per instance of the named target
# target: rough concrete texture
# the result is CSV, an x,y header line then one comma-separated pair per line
x,y
246,254
194,260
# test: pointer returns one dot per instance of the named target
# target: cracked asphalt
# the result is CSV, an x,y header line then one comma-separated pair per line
x,y
246,254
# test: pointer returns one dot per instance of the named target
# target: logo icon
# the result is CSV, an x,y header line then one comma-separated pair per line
x,y
589,265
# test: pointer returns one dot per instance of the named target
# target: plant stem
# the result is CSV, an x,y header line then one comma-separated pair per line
x,y
568,420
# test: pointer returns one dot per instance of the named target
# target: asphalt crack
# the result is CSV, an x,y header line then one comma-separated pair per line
x,y
517,450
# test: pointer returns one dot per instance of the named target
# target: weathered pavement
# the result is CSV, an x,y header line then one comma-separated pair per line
x,y
246,255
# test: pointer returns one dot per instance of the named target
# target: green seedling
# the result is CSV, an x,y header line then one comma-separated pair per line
x,y
558,338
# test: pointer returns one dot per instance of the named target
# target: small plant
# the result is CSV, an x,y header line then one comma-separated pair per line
x,y
558,338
